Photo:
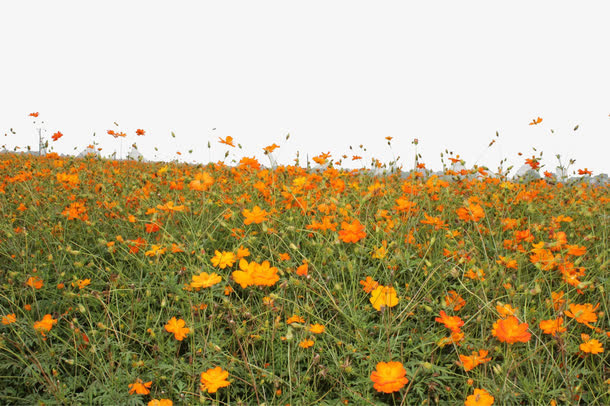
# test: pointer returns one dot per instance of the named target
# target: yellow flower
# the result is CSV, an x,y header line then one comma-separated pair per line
x,y
383,296
205,280
223,259
245,277
590,346
381,252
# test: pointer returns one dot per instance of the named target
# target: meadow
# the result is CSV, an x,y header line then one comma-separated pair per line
x,y
151,283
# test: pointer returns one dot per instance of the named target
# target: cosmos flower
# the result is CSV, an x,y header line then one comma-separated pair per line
x,y
389,377
214,379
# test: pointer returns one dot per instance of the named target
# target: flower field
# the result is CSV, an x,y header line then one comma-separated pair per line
x,y
126,282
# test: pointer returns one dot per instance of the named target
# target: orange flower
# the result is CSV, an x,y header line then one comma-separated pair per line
x,y
57,136
510,330
434,221
169,207
353,232
141,132
34,282
533,162
590,346
176,248
453,323
576,250
214,379
558,300
552,326
536,121
474,212
243,252
470,362
454,300
9,319
383,296
76,210
176,326
34,114
317,328
140,387
322,158
478,274
202,182
152,228
507,262
160,402
454,338
269,149
389,377
369,284
404,205
82,283
227,141
204,280
44,326
303,269
223,259
295,319
256,215
584,314
306,343
480,398
265,275
247,162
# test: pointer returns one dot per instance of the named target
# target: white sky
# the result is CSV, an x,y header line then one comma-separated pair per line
x,y
330,73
